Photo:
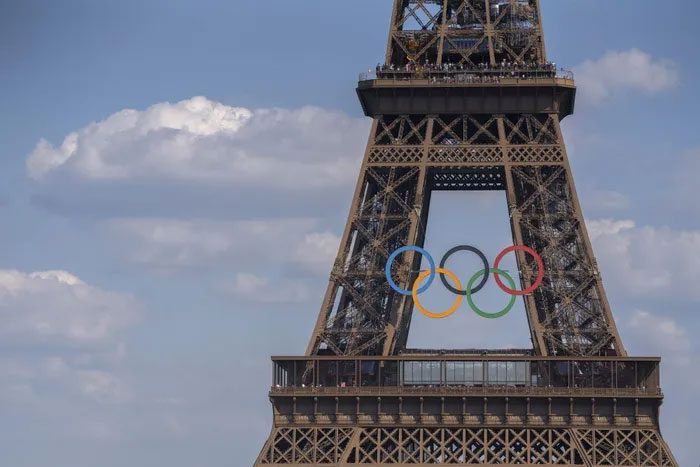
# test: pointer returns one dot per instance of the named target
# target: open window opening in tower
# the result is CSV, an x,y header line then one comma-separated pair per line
x,y
478,219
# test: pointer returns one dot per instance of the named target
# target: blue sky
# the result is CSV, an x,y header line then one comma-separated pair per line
x,y
145,280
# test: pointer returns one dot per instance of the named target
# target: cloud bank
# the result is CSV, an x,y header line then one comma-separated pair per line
x,y
647,261
60,331
57,307
201,141
617,70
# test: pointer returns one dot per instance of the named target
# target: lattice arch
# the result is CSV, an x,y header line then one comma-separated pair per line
x,y
466,446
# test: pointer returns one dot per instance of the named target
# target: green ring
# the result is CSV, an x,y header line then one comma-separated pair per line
x,y
485,314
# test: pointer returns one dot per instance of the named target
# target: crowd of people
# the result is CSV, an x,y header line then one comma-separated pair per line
x,y
460,72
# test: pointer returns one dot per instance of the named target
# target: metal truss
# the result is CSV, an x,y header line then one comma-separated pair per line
x,y
408,157
470,32
360,306
465,446
570,314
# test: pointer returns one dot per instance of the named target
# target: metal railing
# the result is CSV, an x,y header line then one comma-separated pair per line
x,y
465,391
476,75
510,374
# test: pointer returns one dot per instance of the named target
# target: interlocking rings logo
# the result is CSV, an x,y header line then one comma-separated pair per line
x,y
472,286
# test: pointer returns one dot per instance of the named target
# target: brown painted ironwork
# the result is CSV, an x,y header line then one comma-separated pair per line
x,y
462,103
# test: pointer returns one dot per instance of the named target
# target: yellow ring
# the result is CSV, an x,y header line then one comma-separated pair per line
x,y
444,314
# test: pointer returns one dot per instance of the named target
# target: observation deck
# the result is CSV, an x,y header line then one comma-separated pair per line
x,y
467,91
467,375
472,390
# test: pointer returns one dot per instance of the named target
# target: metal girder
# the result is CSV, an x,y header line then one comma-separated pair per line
x,y
478,445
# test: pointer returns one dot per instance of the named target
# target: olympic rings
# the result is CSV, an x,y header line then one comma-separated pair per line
x,y
485,314
450,310
540,270
483,260
470,289
387,268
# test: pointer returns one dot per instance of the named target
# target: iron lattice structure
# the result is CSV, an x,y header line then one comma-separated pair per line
x,y
465,101
465,446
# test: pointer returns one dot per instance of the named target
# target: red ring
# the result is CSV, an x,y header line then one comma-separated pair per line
x,y
540,270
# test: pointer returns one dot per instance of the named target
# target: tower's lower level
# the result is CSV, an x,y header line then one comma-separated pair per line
x,y
466,410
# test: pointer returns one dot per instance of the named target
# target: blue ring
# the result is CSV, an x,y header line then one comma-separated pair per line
x,y
390,261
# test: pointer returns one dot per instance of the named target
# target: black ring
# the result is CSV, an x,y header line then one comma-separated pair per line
x,y
476,251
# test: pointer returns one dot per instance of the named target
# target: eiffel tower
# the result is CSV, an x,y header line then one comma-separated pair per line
x,y
466,100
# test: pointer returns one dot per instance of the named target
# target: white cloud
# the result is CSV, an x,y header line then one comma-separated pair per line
x,y
169,244
658,335
99,385
165,243
91,150
600,227
251,287
102,386
45,158
630,69
57,307
63,348
201,141
605,200
648,261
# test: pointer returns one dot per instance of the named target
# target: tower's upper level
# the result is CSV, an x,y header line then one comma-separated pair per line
x,y
471,32
466,56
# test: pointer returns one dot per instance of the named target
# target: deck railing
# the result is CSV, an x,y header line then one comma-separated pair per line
x,y
511,374
467,75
